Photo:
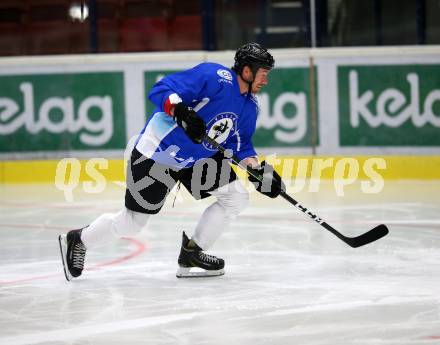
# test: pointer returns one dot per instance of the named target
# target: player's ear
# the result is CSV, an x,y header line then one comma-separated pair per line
x,y
247,72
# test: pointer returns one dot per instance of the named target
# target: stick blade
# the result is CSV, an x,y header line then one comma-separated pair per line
x,y
373,235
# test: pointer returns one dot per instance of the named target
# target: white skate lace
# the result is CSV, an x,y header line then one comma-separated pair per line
x,y
208,258
79,253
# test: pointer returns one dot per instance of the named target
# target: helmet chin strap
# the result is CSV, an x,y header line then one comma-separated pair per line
x,y
250,86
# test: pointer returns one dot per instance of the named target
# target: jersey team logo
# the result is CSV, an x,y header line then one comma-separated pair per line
x,y
225,74
220,127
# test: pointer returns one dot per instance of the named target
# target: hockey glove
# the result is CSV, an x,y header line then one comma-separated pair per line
x,y
271,184
192,124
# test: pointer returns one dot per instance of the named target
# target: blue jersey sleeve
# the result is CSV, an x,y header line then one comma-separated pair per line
x,y
190,85
242,147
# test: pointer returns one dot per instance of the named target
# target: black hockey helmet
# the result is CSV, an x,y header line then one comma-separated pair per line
x,y
253,55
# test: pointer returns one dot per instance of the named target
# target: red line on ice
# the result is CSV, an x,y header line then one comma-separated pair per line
x,y
433,337
140,248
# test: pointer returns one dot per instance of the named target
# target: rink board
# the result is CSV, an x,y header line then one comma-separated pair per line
x,y
375,103
329,101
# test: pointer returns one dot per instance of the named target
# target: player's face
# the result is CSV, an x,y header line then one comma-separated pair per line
x,y
260,80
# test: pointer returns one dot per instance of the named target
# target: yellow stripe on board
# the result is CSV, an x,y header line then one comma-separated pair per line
x,y
44,171
325,167
389,167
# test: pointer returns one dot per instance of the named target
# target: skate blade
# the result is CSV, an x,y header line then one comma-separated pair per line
x,y
194,272
63,250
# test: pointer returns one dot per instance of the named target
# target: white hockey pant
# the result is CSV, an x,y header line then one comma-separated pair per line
x,y
231,200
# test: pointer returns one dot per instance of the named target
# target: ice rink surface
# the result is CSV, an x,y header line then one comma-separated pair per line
x,y
287,281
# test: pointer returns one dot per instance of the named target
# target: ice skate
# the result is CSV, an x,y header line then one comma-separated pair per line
x,y
194,263
73,253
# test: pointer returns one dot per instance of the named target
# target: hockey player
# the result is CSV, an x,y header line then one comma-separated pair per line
x,y
208,99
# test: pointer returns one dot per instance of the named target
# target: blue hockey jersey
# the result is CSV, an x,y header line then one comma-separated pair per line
x,y
212,90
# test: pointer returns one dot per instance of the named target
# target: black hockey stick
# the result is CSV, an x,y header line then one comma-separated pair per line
x,y
354,242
